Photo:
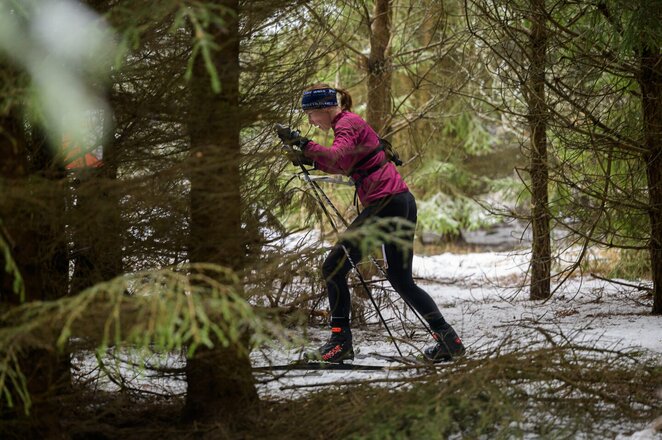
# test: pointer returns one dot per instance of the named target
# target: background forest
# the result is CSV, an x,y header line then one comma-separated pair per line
x,y
147,208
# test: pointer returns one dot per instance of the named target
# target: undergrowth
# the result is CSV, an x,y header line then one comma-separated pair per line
x,y
556,392
550,392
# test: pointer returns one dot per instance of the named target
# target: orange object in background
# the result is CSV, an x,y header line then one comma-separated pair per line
x,y
76,159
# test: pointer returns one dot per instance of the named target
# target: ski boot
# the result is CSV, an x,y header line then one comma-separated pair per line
x,y
448,346
337,349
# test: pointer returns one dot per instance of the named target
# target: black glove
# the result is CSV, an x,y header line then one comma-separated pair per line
x,y
291,137
297,157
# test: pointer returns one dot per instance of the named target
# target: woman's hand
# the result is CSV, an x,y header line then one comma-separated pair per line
x,y
291,137
297,157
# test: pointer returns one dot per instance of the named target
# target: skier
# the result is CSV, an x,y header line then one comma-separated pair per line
x,y
358,152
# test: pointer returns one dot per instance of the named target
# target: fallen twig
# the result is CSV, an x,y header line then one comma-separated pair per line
x,y
635,286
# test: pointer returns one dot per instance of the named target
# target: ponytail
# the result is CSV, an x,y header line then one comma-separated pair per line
x,y
345,97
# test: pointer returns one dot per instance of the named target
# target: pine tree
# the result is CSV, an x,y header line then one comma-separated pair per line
x,y
220,380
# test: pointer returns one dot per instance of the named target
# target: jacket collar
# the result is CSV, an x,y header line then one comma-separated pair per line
x,y
337,118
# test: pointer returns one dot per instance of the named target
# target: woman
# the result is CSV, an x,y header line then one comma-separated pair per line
x,y
355,152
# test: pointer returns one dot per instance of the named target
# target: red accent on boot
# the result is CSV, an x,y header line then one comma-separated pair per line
x,y
331,353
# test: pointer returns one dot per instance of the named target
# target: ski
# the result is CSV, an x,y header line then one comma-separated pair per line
x,y
410,361
404,363
303,365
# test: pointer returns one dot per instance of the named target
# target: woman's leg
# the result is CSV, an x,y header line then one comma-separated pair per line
x,y
400,276
335,269
400,260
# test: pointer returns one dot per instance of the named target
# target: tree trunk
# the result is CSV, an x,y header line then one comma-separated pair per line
x,y
220,380
379,68
651,92
111,223
13,168
33,221
47,265
535,95
96,219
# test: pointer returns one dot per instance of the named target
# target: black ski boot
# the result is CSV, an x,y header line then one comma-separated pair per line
x,y
448,346
337,349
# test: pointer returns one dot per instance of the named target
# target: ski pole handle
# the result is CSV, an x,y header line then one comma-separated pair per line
x,y
283,132
288,136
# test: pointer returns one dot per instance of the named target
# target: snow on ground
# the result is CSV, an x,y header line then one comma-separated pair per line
x,y
484,313
476,268
477,294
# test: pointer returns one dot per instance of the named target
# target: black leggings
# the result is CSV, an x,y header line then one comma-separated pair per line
x,y
399,259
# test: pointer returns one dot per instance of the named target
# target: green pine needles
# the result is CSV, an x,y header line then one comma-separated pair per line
x,y
163,310
10,266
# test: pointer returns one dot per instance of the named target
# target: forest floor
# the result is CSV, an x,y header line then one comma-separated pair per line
x,y
478,294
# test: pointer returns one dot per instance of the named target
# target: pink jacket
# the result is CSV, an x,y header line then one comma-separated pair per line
x,y
354,139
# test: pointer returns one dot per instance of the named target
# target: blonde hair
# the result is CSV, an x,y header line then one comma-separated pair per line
x,y
345,97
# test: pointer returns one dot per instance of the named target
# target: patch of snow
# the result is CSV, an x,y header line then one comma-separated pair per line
x,y
646,434
476,267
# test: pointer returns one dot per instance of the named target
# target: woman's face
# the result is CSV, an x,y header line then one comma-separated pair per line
x,y
322,118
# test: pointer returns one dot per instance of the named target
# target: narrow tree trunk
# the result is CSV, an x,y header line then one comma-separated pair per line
x,y
379,68
111,223
423,96
535,94
95,219
220,380
651,88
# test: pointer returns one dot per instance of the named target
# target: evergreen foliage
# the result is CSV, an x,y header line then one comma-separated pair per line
x,y
178,241
166,310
